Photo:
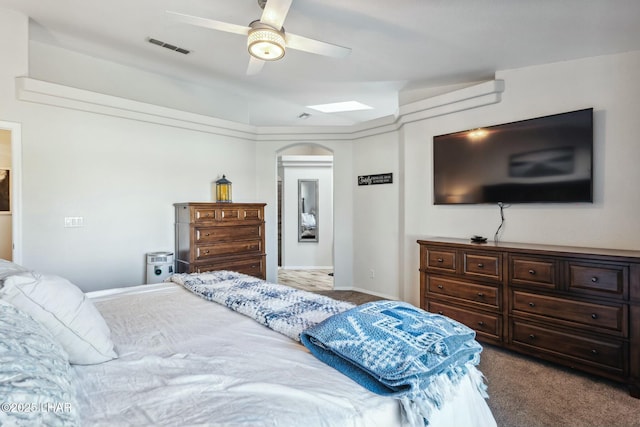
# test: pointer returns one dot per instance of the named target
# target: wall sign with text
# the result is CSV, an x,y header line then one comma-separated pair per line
x,y
381,178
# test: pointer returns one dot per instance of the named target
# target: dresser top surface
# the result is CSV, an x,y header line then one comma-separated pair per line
x,y
219,204
530,247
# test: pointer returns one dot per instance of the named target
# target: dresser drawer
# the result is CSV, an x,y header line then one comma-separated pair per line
x,y
228,248
253,266
533,271
441,259
230,213
487,325
215,234
605,317
605,280
204,214
466,291
483,265
608,353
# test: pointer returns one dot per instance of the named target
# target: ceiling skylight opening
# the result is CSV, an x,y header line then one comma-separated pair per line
x,y
339,107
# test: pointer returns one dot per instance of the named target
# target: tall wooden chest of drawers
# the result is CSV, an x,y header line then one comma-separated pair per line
x,y
579,307
220,236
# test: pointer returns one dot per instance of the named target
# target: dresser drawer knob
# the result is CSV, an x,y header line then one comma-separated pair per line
x,y
531,304
206,252
481,323
440,260
532,272
440,313
440,287
594,279
594,316
481,295
531,336
207,234
594,352
480,265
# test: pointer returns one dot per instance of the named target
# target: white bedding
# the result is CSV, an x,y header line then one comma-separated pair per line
x,y
187,361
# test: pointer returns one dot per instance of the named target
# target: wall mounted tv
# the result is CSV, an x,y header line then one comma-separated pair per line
x,y
543,160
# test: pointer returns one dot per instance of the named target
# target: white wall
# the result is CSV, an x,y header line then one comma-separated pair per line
x,y
609,84
307,254
122,177
377,209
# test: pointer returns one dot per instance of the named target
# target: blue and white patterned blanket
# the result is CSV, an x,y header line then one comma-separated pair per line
x,y
393,348
285,310
390,347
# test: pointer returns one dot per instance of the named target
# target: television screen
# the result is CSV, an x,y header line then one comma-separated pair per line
x,y
542,160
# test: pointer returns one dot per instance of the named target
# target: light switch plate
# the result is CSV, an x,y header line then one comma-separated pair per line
x,y
73,221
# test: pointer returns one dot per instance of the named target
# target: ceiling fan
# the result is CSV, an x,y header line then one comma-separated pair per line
x,y
266,38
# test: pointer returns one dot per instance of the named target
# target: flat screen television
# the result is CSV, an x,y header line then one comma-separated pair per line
x,y
542,160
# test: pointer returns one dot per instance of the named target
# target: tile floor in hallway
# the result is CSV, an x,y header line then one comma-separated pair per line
x,y
309,280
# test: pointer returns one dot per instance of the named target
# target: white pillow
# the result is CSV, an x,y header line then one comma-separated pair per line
x,y
66,312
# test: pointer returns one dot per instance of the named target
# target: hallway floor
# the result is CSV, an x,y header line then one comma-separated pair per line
x,y
309,280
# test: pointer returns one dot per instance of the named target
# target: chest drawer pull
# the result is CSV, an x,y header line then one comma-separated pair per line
x,y
440,287
594,316
481,295
531,304
440,260
481,323
480,265
532,336
532,272
594,279
440,313
594,352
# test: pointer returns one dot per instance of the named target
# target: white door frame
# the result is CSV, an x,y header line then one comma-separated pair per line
x,y
16,188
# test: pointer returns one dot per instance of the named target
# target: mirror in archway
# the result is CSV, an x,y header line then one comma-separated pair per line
x,y
307,210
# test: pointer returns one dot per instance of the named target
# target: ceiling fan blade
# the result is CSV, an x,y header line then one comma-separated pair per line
x,y
274,13
316,46
210,23
255,65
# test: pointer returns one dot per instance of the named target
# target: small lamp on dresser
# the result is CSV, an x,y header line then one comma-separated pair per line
x,y
223,190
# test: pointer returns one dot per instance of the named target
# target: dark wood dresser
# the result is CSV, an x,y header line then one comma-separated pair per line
x,y
579,307
220,236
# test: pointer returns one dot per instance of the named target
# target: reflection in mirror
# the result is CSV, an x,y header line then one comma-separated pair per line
x,y
307,210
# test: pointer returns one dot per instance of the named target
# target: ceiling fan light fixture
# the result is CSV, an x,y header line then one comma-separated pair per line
x,y
266,44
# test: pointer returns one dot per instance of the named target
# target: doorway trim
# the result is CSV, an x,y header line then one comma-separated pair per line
x,y
16,188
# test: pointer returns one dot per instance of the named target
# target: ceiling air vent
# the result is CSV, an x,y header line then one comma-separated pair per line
x,y
168,46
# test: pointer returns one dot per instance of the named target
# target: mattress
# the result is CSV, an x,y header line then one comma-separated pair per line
x,y
187,361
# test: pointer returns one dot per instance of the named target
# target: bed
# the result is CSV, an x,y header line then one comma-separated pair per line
x,y
182,360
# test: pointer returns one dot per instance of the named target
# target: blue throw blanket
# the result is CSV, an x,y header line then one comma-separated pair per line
x,y
393,348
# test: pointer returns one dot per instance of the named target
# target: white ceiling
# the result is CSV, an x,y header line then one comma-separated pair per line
x,y
397,45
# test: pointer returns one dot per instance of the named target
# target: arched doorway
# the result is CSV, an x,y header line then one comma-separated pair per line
x,y
305,227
